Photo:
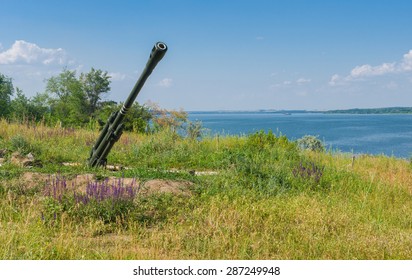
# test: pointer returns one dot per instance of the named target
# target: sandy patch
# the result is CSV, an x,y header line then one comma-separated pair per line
x,y
30,180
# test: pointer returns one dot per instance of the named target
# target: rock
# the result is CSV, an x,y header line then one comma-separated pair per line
x,y
3,153
24,161
16,159
30,156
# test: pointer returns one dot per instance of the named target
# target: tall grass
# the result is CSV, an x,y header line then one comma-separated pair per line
x,y
269,200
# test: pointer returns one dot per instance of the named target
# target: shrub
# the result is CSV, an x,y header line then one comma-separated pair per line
x,y
19,143
194,130
311,143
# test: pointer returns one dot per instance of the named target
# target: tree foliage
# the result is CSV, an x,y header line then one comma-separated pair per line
x,y
6,91
311,143
74,100
95,83
167,119
137,119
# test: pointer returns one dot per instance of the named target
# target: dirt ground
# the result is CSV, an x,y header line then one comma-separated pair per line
x,y
29,180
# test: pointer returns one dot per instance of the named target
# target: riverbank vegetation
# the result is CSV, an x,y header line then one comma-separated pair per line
x,y
181,194
258,196
386,110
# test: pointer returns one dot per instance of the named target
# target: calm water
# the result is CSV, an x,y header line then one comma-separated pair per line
x,y
372,134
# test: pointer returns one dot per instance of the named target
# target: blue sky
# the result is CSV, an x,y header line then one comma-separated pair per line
x,y
223,55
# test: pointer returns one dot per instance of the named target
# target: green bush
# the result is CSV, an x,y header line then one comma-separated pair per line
x,y
20,144
311,143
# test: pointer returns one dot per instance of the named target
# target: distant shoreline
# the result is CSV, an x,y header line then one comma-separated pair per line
x,y
360,111
385,110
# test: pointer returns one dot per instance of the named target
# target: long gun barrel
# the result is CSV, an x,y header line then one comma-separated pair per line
x,y
114,126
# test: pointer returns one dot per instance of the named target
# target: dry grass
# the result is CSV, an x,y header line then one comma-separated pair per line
x,y
253,208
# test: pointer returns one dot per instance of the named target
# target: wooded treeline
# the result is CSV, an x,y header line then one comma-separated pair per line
x,y
77,100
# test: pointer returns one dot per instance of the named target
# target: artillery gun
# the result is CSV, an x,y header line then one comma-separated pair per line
x,y
113,128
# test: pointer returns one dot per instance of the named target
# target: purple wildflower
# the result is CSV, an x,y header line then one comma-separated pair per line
x,y
307,171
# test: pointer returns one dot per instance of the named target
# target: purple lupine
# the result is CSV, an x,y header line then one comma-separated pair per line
x,y
99,191
308,171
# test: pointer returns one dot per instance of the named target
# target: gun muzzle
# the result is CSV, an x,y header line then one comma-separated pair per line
x,y
113,128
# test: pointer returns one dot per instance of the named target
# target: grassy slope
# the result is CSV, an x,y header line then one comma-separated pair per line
x,y
269,201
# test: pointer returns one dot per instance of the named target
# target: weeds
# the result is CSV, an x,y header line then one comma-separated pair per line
x,y
102,200
308,171
19,143
268,200
108,201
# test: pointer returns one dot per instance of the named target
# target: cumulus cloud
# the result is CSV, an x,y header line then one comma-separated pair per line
x,y
22,52
406,64
366,70
166,83
302,81
334,80
116,76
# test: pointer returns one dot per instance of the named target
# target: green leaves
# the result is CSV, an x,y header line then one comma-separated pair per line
x,y
77,99
311,143
6,91
94,84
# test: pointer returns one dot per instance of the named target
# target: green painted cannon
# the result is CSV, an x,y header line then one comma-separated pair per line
x,y
114,126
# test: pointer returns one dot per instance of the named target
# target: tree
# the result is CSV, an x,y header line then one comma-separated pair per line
x,y
6,91
94,84
194,129
137,118
64,84
70,104
20,105
167,119
40,106
36,108
76,100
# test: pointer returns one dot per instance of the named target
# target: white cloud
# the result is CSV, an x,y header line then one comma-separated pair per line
x,y
366,70
290,84
22,52
30,65
166,83
335,79
406,64
116,76
287,83
302,81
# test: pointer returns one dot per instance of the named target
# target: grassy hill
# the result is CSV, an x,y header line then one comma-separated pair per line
x,y
254,197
